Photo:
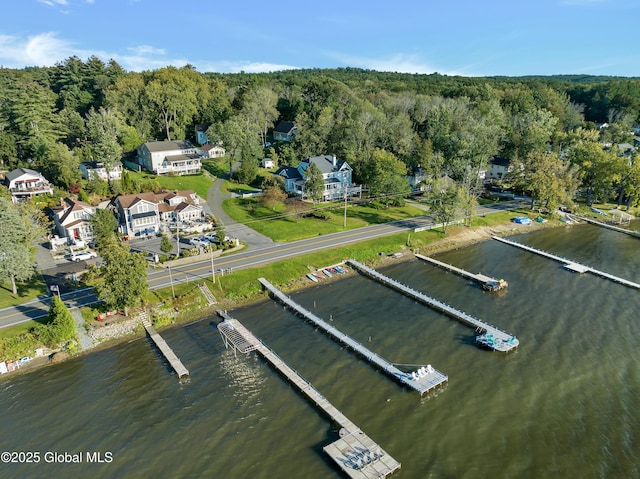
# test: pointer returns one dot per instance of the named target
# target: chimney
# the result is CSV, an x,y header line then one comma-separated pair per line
x,y
334,161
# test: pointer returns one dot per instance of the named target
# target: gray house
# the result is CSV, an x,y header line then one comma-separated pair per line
x,y
162,157
337,177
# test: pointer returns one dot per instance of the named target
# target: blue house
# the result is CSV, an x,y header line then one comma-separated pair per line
x,y
337,177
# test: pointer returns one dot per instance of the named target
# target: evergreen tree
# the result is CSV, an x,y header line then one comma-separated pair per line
x,y
60,325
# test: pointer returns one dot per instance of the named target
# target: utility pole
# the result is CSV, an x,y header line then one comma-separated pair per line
x,y
171,280
213,271
345,210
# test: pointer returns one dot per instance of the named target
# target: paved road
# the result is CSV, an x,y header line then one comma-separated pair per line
x,y
254,256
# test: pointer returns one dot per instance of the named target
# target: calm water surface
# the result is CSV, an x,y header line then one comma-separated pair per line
x,y
564,405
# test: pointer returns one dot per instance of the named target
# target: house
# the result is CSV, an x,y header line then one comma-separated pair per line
x,y
24,183
201,133
497,168
417,179
143,214
285,131
96,169
337,176
162,157
267,163
72,220
211,151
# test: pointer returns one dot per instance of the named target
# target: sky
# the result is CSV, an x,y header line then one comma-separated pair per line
x,y
452,37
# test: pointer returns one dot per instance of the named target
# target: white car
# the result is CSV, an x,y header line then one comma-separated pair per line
x,y
83,255
199,241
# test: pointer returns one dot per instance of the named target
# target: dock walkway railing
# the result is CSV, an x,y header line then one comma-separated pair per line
x,y
503,341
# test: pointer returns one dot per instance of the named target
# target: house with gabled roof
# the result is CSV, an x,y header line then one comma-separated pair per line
x,y
72,220
201,133
97,169
23,183
285,131
143,214
211,151
337,176
162,157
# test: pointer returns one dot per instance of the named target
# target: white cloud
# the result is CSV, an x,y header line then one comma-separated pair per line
x,y
53,3
401,63
47,49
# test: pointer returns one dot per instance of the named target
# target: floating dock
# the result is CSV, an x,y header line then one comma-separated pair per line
x,y
569,264
635,234
423,380
355,453
164,348
490,336
488,283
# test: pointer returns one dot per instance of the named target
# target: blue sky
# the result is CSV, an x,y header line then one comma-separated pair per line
x,y
454,37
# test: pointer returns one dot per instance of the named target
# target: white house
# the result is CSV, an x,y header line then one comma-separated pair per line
x,y
267,163
72,220
497,168
337,176
24,183
211,151
285,131
96,169
162,157
143,214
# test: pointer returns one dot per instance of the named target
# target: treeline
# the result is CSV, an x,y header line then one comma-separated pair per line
x,y
383,124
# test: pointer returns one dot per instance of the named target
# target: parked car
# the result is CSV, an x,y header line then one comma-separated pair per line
x,y
199,241
83,255
210,237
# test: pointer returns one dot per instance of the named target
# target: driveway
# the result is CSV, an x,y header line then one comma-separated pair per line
x,y
232,228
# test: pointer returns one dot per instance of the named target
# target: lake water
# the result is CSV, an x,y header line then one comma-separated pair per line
x,y
566,404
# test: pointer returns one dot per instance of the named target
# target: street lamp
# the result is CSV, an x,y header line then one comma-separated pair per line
x,y
171,281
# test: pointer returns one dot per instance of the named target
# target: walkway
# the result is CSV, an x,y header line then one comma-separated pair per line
x,y
215,197
423,380
355,453
570,264
488,283
635,234
490,337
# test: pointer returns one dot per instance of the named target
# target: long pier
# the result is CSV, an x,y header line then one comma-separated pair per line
x,y
488,283
423,380
355,453
570,264
164,348
635,234
491,337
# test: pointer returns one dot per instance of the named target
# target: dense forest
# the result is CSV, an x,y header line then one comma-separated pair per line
x,y
383,124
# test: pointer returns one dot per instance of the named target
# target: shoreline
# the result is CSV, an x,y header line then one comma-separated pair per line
x,y
457,237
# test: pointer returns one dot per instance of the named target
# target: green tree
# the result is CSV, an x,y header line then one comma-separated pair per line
x,y
60,326
386,177
104,128
166,246
260,110
314,184
124,277
599,169
447,201
20,226
104,226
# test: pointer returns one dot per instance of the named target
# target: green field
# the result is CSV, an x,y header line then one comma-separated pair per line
x,y
26,291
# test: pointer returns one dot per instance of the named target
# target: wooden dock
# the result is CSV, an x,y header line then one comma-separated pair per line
x,y
570,264
164,348
635,234
355,453
490,336
488,283
423,380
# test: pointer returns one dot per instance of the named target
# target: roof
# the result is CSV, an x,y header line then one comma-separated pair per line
x,y
157,146
499,161
325,163
287,171
202,127
94,165
284,127
176,158
18,172
126,201
69,206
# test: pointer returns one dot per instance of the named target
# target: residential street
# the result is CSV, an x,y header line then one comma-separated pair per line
x,y
261,251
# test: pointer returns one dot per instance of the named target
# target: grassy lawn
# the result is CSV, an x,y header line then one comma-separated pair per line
x,y
199,183
281,224
26,291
